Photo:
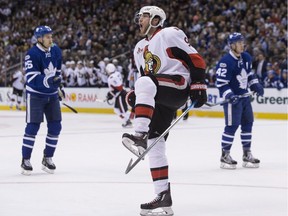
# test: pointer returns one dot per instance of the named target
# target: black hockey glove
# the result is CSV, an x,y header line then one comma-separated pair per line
x,y
61,93
198,93
131,99
109,96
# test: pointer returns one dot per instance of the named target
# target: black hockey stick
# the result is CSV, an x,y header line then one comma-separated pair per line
x,y
61,95
131,165
71,108
226,100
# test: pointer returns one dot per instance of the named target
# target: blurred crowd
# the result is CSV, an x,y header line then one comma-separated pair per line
x,y
94,33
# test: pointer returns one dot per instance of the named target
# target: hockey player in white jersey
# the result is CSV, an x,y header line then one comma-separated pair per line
x,y
81,74
233,78
171,70
18,81
70,74
115,84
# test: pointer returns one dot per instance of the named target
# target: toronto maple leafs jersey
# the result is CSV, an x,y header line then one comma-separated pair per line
x,y
234,74
39,64
168,52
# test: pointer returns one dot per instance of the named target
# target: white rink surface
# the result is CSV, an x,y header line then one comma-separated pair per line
x,y
90,179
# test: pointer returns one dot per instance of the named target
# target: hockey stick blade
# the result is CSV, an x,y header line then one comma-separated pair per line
x,y
71,108
227,100
131,165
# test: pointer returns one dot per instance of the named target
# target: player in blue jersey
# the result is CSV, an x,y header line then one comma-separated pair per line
x,y
43,77
234,77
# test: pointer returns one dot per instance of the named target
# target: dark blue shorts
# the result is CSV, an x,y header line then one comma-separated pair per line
x,y
38,106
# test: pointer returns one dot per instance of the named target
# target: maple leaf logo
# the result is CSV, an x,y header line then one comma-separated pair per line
x,y
243,79
51,70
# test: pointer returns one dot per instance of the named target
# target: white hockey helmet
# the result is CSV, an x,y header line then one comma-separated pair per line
x,y
153,12
110,68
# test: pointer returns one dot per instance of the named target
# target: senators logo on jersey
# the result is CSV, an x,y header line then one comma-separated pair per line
x,y
152,62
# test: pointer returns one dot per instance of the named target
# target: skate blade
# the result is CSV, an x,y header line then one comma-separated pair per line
x,y
165,211
26,172
250,165
129,144
44,168
228,166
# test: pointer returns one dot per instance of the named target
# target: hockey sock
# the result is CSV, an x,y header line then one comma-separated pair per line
x,y
51,142
246,136
159,165
54,129
31,131
145,91
27,146
228,137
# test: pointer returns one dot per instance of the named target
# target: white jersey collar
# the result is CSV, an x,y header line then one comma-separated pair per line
x,y
41,48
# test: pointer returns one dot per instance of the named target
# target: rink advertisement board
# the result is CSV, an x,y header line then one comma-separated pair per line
x,y
91,100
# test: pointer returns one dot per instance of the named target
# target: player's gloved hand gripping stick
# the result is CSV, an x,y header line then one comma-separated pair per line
x,y
61,94
227,100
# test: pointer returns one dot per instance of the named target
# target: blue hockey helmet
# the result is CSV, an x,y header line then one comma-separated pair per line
x,y
234,37
40,31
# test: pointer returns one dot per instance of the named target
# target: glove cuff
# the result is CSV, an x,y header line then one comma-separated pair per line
x,y
253,81
198,86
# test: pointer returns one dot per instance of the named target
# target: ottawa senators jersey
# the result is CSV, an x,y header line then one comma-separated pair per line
x,y
168,52
115,82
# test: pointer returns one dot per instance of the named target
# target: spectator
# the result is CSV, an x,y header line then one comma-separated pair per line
x,y
98,29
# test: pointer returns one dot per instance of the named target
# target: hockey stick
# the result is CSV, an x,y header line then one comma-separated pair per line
x,y
226,100
131,165
104,101
101,100
71,108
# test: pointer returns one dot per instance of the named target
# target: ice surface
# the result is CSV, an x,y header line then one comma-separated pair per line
x,y
90,177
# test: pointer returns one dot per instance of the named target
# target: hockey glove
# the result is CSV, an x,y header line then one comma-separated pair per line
x,y
198,93
109,96
258,88
53,81
233,99
61,93
131,99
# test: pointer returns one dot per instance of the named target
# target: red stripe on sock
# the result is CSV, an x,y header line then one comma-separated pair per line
x,y
142,110
159,173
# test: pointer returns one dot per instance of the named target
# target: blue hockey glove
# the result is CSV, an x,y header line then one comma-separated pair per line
x,y
233,99
54,81
258,88
198,93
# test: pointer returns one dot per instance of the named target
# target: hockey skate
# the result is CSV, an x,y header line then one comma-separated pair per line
x,y
127,124
161,205
227,161
137,143
249,161
26,167
48,165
